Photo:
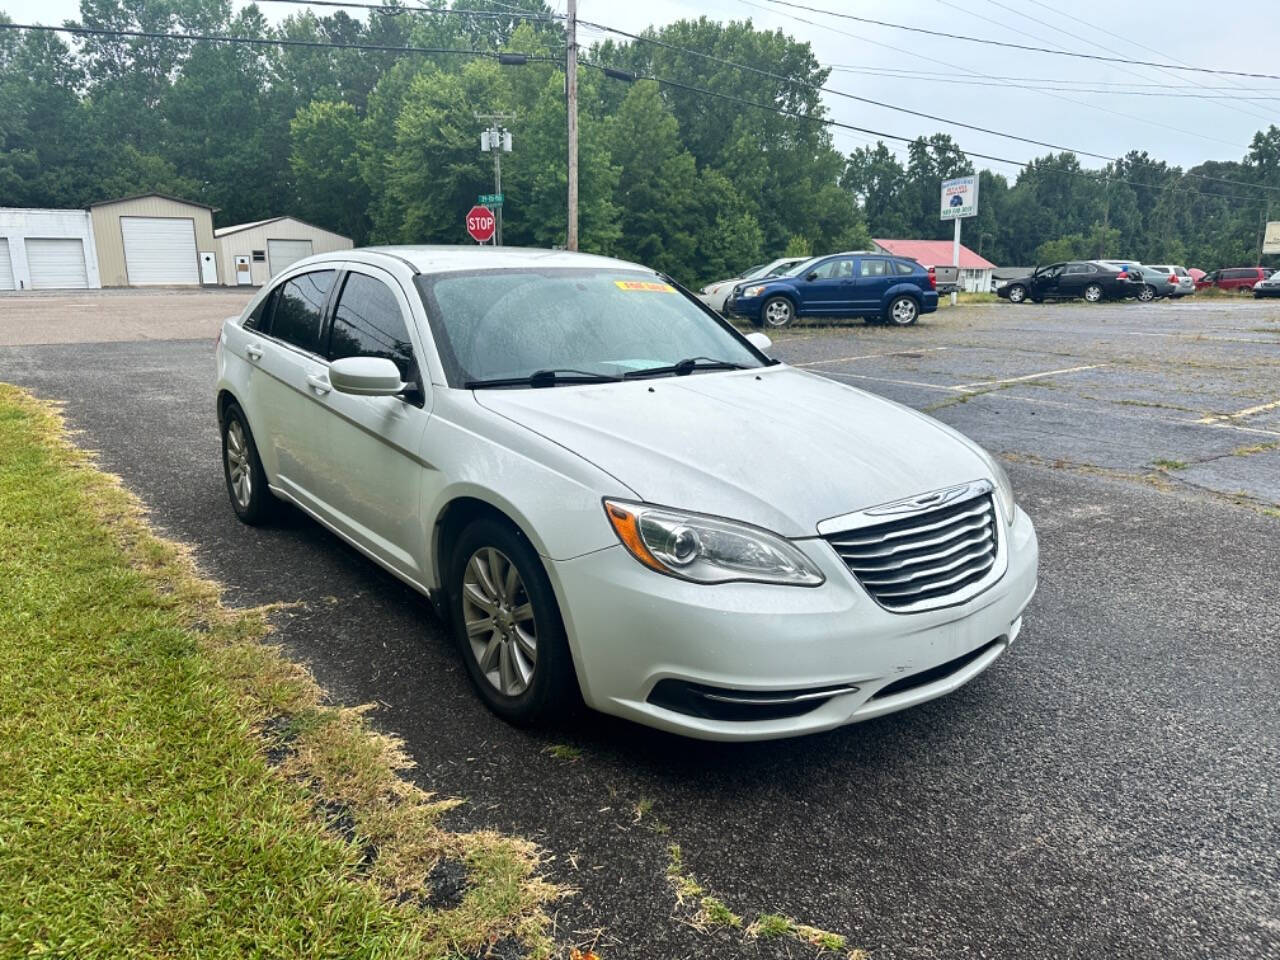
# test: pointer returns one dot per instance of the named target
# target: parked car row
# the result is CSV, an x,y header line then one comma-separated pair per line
x,y
1098,280
878,287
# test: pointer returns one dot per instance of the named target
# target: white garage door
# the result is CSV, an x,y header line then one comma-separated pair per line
x,y
6,266
159,250
283,253
55,264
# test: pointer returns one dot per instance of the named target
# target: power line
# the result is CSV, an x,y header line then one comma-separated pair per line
x,y
609,70
1235,83
1021,46
944,75
1097,43
1056,96
938,119
278,42
824,121
389,10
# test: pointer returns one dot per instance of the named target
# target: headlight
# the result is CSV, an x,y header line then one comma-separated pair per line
x,y
754,291
706,549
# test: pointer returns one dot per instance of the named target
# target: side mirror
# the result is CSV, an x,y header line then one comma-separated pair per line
x,y
366,377
812,276
759,341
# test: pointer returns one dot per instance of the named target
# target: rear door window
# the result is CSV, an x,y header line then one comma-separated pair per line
x,y
299,310
873,268
368,323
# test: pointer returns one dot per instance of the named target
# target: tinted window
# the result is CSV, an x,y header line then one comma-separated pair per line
x,y
368,323
905,269
1077,268
299,310
835,269
260,317
872,268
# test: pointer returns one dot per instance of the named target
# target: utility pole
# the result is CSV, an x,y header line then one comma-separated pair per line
x,y
496,140
571,96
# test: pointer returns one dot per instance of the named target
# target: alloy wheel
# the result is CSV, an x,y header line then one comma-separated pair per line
x,y
239,470
903,311
1093,293
1017,294
498,615
777,313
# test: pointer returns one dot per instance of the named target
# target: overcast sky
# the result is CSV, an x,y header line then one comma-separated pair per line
x,y
1195,117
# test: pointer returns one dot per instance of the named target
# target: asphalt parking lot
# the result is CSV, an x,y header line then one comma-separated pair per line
x,y
1107,789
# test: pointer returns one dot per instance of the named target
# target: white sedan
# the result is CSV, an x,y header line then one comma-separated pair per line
x,y
610,494
715,294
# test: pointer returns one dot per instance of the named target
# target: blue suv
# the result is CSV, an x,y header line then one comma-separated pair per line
x,y
882,288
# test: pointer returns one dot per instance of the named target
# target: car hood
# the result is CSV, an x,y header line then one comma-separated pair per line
x,y
777,447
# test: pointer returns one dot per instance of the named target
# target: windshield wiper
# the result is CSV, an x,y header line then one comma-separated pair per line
x,y
544,378
682,368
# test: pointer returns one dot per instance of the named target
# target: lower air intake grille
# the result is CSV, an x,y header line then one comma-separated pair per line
x,y
928,559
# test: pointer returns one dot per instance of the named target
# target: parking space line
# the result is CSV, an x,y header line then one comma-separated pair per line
x,y
1030,376
1240,414
867,376
870,356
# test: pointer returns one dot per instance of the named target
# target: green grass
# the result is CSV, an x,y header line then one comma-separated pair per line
x,y
139,816
1164,464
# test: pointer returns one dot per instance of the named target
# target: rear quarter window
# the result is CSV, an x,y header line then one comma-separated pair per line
x,y
905,269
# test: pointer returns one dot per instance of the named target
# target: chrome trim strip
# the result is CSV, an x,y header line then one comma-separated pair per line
x,y
919,503
761,700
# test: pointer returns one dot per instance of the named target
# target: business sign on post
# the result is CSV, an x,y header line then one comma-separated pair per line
x,y
1271,239
959,198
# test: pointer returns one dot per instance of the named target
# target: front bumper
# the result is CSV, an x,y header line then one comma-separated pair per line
x,y
630,629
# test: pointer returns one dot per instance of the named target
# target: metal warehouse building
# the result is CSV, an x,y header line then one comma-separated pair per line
x,y
46,250
154,240
253,253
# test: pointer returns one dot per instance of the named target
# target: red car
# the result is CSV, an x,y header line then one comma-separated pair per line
x,y
1234,278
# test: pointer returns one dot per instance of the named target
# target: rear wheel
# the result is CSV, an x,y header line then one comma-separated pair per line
x,y
253,503
903,311
778,312
1093,293
1147,293
1017,293
507,624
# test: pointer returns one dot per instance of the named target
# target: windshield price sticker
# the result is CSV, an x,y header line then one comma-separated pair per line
x,y
648,285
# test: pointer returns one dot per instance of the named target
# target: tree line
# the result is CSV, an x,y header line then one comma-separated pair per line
x,y
384,145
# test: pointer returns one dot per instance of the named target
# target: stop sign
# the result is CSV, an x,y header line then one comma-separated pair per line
x,y
480,224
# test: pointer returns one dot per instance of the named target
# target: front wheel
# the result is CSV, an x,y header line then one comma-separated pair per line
x,y
778,312
1017,293
1147,293
507,625
253,503
1093,293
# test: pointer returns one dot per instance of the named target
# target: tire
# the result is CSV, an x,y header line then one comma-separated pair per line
x,y
1017,293
902,312
529,678
242,470
1094,293
1147,293
777,312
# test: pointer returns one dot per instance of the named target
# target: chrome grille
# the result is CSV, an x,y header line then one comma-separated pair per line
x,y
931,558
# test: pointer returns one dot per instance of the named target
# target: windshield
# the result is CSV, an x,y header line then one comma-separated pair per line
x,y
801,267
764,270
495,324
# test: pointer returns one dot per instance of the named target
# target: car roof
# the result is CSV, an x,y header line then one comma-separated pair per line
x,y
445,259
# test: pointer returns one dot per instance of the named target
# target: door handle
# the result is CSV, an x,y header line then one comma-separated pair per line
x,y
320,385
253,352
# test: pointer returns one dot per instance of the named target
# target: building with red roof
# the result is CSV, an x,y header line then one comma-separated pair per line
x,y
975,271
